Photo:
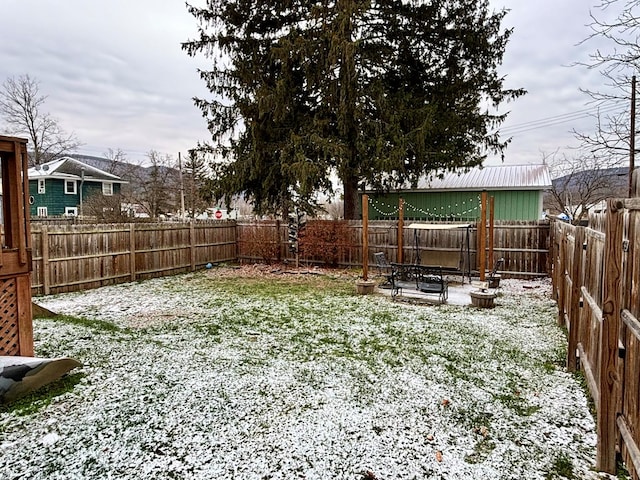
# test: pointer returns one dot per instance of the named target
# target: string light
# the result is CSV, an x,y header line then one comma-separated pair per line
x,y
377,207
433,214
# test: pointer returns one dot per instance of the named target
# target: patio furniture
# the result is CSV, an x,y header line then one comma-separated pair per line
x,y
494,276
431,280
384,269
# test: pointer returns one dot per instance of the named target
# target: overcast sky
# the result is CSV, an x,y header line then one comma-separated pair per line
x,y
115,75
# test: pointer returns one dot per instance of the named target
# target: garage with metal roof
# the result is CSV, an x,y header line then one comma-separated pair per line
x,y
517,191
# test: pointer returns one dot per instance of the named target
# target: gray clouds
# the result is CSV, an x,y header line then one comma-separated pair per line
x,y
114,72
547,42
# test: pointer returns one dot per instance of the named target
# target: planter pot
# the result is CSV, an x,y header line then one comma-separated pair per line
x,y
482,299
494,282
365,287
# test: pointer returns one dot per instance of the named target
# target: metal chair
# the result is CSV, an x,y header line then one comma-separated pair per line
x,y
384,268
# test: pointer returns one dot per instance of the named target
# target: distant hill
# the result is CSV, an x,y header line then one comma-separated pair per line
x,y
127,171
615,184
617,180
98,162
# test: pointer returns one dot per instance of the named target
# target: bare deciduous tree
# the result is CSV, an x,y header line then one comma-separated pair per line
x,y
158,185
21,108
620,28
152,186
580,183
618,23
104,209
334,209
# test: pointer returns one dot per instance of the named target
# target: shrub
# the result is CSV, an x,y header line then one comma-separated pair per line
x,y
260,241
325,240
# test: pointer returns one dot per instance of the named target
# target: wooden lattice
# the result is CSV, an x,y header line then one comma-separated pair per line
x,y
9,341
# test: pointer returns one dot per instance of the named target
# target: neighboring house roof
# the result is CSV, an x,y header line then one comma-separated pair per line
x,y
68,168
501,177
136,173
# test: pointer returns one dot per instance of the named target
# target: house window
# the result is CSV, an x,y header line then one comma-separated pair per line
x,y
42,211
71,211
41,188
107,188
70,187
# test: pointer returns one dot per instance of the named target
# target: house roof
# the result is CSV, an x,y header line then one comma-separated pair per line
x,y
71,169
501,177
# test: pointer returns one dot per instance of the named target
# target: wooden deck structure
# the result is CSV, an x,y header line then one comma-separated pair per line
x,y
16,332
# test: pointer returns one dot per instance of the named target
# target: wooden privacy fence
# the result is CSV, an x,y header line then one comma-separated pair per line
x,y
596,279
77,257
523,245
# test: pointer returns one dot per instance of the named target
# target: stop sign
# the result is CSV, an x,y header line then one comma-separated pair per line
x,y
218,214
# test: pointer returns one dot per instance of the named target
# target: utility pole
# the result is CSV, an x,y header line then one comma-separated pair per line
x,y
632,135
182,212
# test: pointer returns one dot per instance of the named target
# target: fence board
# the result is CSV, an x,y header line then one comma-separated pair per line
x,y
72,257
523,245
607,325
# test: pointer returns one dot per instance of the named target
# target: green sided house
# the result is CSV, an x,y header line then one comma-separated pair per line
x,y
517,191
62,186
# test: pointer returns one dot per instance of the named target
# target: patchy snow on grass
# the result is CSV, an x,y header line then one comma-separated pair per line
x,y
203,376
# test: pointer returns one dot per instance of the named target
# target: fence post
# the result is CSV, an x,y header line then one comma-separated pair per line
x,y
46,265
562,277
192,242
132,252
609,336
552,252
576,283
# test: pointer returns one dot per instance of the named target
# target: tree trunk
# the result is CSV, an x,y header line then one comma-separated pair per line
x,y
352,207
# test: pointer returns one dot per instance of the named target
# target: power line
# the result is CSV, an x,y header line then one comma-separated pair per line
x,y
557,119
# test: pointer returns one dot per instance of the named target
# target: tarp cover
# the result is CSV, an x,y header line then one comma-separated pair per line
x,y
22,375
438,226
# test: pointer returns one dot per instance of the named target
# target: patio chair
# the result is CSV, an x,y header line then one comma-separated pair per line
x,y
494,276
384,269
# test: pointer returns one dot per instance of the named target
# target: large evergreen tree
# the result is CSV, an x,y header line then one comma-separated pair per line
x,y
377,91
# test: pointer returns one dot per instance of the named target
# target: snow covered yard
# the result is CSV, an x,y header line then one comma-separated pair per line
x,y
214,376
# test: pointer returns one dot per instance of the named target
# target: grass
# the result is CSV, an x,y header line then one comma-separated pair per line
x,y
299,376
561,468
35,401
92,324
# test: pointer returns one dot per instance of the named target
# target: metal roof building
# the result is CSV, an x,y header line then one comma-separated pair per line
x,y
502,177
517,191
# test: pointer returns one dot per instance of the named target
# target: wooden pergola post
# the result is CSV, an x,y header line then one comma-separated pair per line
x,y
491,227
482,236
365,237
